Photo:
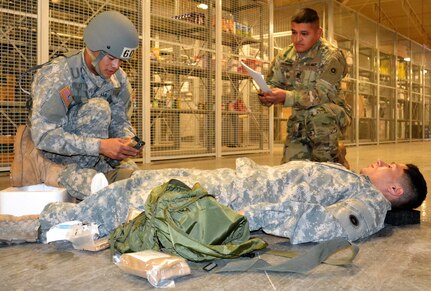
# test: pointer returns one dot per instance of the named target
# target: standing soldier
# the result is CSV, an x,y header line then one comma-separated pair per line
x,y
80,129
306,76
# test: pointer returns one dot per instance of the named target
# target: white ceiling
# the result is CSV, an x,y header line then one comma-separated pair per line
x,y
411,18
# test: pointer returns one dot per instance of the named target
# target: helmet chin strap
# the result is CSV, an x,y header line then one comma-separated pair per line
x,y
95,60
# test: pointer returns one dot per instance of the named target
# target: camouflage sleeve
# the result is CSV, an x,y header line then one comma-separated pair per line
x,y
309,222
300,222
275,77
326,86
121,124
49,118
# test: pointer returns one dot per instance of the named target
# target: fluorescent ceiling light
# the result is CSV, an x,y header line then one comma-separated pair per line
x,y
202,6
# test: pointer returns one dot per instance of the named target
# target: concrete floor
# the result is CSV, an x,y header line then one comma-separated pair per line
x,y
396,258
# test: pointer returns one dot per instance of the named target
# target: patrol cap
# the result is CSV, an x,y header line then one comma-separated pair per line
x,y
113,33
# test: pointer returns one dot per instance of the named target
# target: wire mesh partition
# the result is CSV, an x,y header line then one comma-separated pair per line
x,y
21,48
182,82
245,30
282,39
201,101
18,47
187,99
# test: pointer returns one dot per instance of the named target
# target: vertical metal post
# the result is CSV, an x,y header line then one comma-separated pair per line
x,y
330,20
146,78
356,68
396,86
271,56
218,78
376,48
42,31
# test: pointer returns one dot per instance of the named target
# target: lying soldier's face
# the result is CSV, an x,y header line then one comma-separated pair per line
x,y
384,175
382,166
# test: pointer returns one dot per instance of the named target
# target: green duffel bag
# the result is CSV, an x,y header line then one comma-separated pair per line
x,y
186,222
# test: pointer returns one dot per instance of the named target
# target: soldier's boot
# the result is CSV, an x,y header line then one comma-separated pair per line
x,y
16,166
343,152
29,166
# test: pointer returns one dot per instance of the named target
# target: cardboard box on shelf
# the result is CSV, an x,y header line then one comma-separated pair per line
x,y
155,54
283,131
286,112
193,17
361,109
6,157
7,87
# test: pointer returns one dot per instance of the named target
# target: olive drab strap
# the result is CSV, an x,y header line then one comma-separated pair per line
x,y
302,263
29,101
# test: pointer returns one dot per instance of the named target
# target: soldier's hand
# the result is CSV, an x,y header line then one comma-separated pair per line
x,y
276,96
117,148
263,100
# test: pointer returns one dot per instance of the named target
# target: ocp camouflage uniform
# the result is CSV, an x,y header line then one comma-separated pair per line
x,y
320,114
302,200
73,109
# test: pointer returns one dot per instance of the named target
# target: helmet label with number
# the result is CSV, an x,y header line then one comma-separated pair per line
x,y
127,53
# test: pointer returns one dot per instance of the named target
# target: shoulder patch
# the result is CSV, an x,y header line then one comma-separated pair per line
x,y
333,72
66,95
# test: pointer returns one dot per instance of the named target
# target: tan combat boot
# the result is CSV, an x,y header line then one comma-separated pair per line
x,y
343,152
29,167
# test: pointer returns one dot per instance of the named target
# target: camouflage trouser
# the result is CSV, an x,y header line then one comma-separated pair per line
x,y
91,119
313,135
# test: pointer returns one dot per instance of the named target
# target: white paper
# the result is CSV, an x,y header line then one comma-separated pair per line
x,y
82,236
257,77
62,231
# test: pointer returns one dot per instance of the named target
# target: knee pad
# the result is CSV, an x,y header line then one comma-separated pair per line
x,y
96,109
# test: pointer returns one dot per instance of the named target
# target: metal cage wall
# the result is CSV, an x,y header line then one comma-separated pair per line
x,y
192,97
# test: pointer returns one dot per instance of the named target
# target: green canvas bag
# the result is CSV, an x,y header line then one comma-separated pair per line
x,y
186,222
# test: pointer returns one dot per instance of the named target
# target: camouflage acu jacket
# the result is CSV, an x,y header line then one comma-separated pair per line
x,y
56,88
304,201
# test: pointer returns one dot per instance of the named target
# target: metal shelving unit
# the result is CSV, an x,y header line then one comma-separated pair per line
x,y
186,74
200,104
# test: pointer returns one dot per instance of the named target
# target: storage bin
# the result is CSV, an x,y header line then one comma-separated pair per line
x,y
30,200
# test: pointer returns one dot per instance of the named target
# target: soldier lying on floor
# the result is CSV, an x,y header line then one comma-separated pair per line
x,y
301,200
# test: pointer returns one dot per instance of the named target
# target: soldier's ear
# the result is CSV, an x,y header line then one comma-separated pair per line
x,y
320,31
395,190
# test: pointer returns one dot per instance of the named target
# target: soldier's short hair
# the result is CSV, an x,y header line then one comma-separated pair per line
x,y
415,189
306,15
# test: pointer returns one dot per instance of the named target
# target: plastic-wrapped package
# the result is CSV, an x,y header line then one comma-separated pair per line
x,y
82,236
158,268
